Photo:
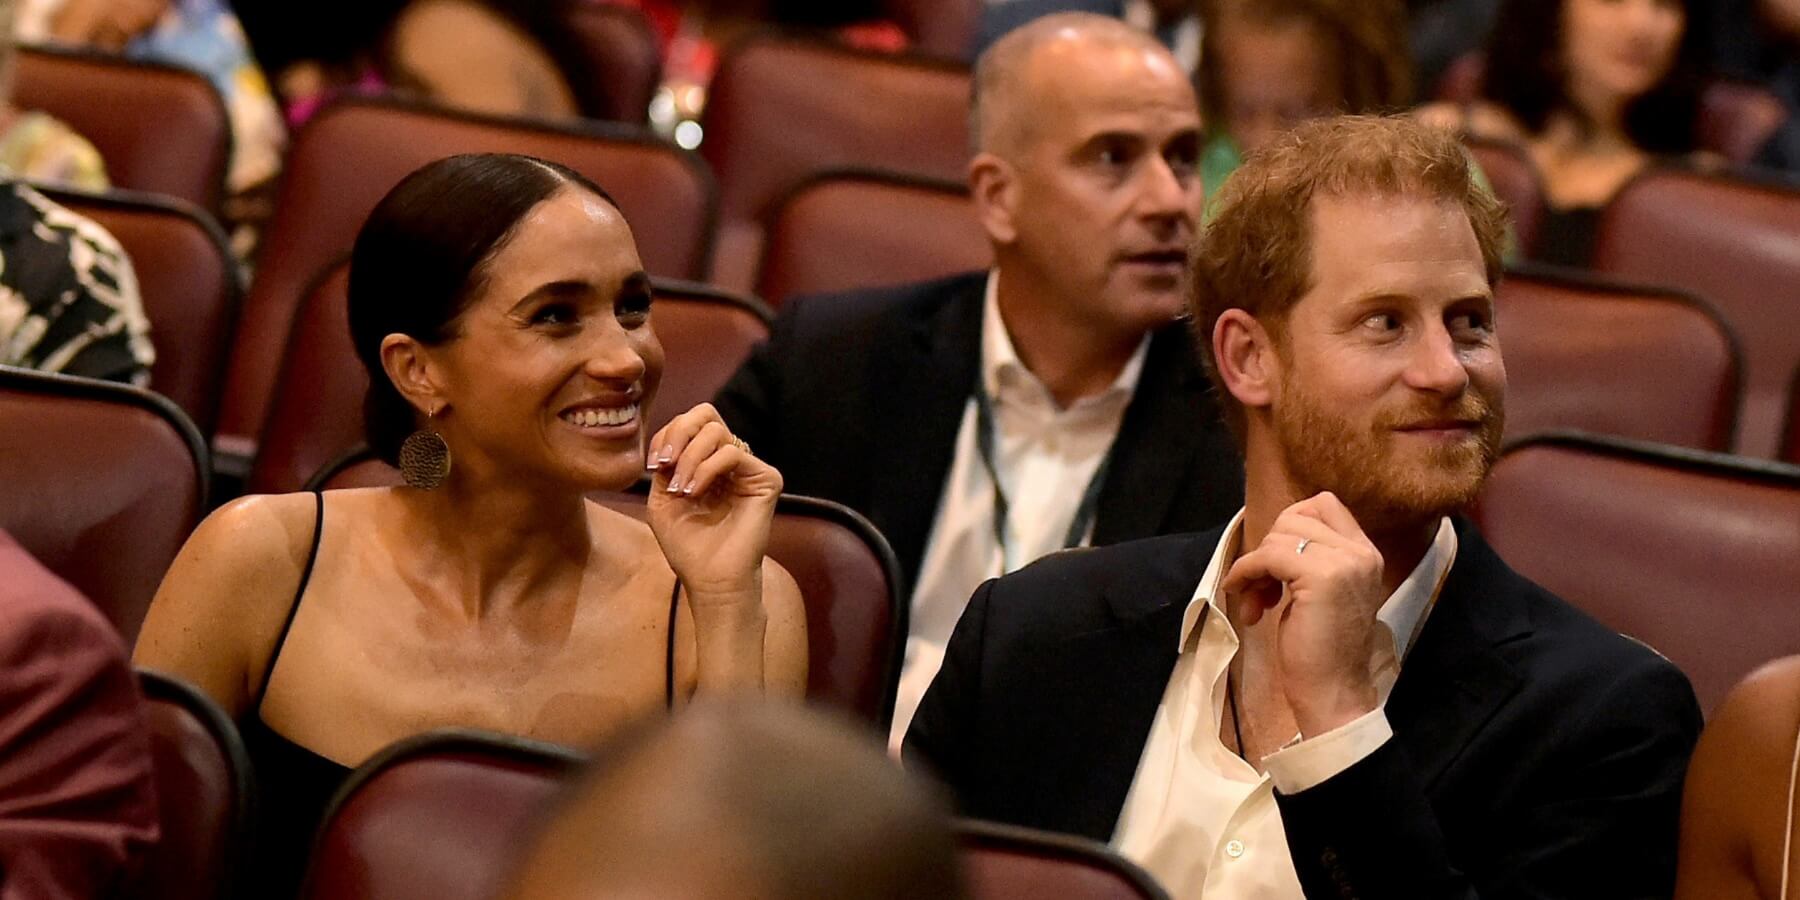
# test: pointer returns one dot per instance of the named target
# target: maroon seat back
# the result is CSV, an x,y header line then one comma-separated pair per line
x,y
706,334
204,790
783,109
189,283
160,129
1732,243
1695,554
1634,362
1516,182
860,230
855,618
1737,118
433,817
101,483
942,28
612,59
355,151
1003,862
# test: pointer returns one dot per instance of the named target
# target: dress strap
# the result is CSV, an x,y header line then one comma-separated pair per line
x,y
669,657
312,556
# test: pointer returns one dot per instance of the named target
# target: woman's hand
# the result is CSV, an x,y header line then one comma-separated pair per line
x,y
710,505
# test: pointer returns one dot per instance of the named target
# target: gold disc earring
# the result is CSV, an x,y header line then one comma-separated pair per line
x,y
424,457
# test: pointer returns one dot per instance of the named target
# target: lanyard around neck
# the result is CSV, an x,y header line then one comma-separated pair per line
x,y
986,439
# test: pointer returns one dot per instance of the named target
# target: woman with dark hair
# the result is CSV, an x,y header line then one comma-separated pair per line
x,y
500,308
1593,89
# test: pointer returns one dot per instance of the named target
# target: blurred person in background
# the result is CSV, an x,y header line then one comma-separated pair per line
x,y
726,802
35,145
1176,23
1594,90
1444,31
1759,41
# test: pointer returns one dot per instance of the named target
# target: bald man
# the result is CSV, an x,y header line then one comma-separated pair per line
x,y
987,419
744,802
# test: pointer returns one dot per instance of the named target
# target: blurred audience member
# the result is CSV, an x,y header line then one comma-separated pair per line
x,y
68,296
77,787
984,420
1443,32
1759,41
1593,89
503,316
199,35
1271,64
1739,828
1176,23
726,802
34,145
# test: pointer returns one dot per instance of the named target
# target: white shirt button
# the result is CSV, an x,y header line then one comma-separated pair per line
x,y
1234,849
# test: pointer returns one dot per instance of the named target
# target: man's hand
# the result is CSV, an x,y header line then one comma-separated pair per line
x,y
1327,630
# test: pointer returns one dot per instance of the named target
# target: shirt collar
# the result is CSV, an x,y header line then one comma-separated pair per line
x,y
1001,367
1403,613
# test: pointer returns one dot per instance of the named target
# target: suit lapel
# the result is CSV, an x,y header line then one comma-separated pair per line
x,y
1454,681
1157,441
922,385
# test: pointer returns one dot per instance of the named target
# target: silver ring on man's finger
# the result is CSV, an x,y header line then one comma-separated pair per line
x,y
1301,547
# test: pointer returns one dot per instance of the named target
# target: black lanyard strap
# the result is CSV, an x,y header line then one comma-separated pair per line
x,y
986,438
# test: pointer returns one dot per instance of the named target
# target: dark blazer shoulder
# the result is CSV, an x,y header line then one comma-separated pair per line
x,y
1071,592
834,314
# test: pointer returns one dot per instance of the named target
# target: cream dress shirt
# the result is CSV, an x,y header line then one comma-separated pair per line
x,y
1046,456
1198,817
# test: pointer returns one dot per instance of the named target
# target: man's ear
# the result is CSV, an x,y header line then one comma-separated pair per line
x,y
994,188
418,378
1245,354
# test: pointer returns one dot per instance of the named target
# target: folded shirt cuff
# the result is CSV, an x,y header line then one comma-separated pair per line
x,y
1314,761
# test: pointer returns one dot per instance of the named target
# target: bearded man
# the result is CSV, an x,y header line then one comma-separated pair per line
x,y
1344,692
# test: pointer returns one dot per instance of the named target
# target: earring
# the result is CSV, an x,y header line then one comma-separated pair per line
x,y
424,457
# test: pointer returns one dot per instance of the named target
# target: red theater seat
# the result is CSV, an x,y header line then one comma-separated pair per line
x,y
943,28
189,282
705,333
433,817
784,109
1516,182
1004,862
101,483
1634,362
613,59
204,793
855,618
352,153
1695,554
850,230
1734,244
160,129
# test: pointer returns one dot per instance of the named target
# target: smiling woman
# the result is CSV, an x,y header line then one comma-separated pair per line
x,y
500,307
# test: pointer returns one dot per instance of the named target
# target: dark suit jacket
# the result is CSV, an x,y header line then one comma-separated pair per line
x,y
77,799
1536,754
857,398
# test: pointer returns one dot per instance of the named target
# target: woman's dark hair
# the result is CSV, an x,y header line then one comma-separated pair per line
x,y
418,260
1525,75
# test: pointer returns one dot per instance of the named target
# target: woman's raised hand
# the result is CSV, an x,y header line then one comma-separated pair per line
x,y
711,501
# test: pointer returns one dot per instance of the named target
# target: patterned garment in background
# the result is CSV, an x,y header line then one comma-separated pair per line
x,y
40,147
68,296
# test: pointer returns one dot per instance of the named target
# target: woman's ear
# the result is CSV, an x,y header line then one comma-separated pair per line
x,y
1244,352
994,190
415,374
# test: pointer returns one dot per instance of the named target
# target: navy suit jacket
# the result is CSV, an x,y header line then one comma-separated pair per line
x,y
1537,754
857,398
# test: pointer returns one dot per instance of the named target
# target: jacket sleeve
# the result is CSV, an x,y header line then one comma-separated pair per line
x,y
77,802
942,739
751,402
1601,822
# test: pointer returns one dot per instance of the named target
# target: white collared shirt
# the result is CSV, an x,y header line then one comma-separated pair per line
x,y
1201,819
1045,455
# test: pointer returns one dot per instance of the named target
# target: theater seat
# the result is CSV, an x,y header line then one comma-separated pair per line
x,y
611,58
941,28
1516,182
353,152
1731,242
101,483
1593,355
1696,554
1004,862
705,333
160,129
204,792
433,817
846,230
190,286
783,109
855,618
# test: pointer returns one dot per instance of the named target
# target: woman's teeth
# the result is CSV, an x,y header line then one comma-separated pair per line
x,y
594,418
